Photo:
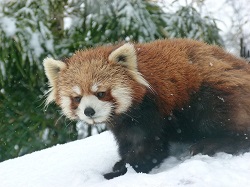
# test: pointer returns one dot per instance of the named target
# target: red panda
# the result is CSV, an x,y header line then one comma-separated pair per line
x,y
152,93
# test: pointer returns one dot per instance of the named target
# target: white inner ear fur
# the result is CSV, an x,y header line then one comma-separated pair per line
x,y
129,59
128,52
52,68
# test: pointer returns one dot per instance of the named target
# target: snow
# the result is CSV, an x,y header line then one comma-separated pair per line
x,y
2,69
35,44
8,25
83,163
232,18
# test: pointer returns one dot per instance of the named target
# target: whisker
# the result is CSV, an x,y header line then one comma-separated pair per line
x,y
58,119
67,125
109,120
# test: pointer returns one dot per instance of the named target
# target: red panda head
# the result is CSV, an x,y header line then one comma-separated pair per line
x,y
95,84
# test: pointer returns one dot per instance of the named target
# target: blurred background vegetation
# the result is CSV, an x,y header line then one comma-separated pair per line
x,y
31,30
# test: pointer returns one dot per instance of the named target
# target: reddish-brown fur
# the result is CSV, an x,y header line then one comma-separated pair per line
x,y
76,65
203,89
184,65
176,69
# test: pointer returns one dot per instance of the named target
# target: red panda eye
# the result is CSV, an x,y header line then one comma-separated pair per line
x,y
100,95
77,99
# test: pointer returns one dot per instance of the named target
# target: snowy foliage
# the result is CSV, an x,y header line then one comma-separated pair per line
x,y
113,20
135,20
187,22
26,24
25,40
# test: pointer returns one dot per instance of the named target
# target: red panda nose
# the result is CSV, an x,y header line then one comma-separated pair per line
x,y
89,111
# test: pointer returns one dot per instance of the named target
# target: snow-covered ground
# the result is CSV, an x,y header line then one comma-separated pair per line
x,y
82,163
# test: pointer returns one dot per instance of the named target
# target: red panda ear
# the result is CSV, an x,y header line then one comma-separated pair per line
x,y
125,55
52,68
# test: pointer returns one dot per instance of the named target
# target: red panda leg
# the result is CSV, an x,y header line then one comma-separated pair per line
x,y
141,140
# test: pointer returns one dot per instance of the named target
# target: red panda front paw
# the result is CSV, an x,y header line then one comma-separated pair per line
x,y
118,170
114,174
120,165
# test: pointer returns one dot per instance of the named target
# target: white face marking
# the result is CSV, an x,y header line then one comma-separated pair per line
x,y
65,105
94,88
123,98
102,109
77,90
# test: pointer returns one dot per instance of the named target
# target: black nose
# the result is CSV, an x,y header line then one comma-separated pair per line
x,y
89,111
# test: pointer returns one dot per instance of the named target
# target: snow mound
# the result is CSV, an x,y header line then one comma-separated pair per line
x,y
82,163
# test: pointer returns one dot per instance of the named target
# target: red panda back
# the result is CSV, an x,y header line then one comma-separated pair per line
x,y
166,66
177,68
